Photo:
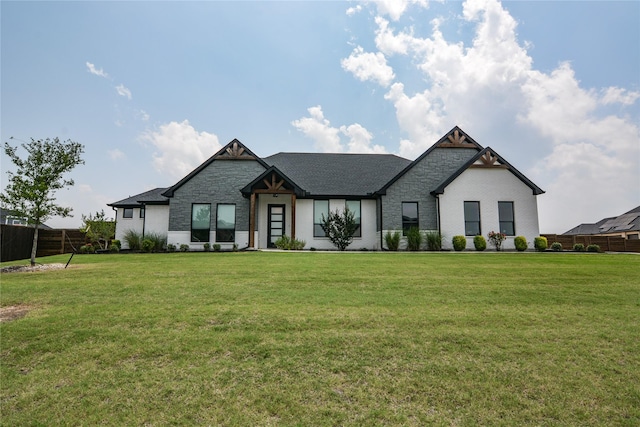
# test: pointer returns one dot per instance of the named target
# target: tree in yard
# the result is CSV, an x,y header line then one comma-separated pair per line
x,y
340,227
31,189
98,229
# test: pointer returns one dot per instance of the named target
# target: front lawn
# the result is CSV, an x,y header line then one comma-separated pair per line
x,y
324,339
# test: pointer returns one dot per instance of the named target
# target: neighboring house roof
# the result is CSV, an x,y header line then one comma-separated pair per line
x,y
326,174
151,197
488,158
9,218
628,221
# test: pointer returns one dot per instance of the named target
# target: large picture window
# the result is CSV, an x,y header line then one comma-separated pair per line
x,y
226,223
472,219
320,208
200,222
409,216
354,206
506,218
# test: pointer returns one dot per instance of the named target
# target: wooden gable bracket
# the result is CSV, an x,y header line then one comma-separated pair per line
x,y
273,185
235,151
456,140
489,160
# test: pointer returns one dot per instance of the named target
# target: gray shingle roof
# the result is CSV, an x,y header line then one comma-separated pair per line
x,y
629,221
325,174
151,197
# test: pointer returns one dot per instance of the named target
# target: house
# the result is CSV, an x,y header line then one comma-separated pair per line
x,y
456,187
626,225
9,218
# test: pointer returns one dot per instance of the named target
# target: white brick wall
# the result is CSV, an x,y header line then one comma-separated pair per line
x,y
488,186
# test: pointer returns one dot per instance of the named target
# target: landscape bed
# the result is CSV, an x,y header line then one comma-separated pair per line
x,y
309,338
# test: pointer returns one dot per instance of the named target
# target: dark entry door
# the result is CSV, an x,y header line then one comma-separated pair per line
x,y
276,224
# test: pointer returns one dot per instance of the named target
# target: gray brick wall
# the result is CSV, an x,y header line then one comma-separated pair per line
x,y
220,182
417,184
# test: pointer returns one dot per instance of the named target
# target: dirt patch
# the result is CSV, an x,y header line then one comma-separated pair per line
x,y
13,312
28,268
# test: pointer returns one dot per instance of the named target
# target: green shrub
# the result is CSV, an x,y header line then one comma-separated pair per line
x,y
87,249
540,243
392,240
148,245
113,248
184,247
434,241
414,239
171,247
117,243
520,242
556,246
283,242
159,241
207,247
480,243
578,247
297,245
459,243
133,239
593,248
216,247
235,247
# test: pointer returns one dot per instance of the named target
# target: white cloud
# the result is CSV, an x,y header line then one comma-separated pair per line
x,y
123,91
369,66
180,148
93,70
327,138
115,154
395,8
560,136
353,10
143,115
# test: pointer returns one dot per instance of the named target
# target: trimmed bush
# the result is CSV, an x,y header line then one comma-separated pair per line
x,y
459,243
113,248
117,243
184,247
414,239
392,240
148,245
216,247
480,243
556,246
578,247
171,247
593,248
540,243
207,247
283,242
87,249
434,241
520,242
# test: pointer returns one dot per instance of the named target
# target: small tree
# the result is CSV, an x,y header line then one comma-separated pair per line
x,y
98,229
340,227
31,189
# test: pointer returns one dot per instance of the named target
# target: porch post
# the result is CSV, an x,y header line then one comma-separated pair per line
x,y
293,216
252,221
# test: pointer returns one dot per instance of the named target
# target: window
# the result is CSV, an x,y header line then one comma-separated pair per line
x,y
226,223
409,216
506,218
320,208
200,222
472,218
354,206
127,213
142,212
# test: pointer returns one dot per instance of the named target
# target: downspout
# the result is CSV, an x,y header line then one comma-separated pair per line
x,y
381,227
144,219
438,213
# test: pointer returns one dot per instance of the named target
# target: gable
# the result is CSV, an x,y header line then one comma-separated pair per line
x,y
487,159
233,151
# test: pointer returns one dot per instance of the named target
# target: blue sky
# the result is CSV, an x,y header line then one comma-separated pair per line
x,y
152,89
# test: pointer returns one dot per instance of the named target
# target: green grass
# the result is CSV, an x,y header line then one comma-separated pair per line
x,y
324,339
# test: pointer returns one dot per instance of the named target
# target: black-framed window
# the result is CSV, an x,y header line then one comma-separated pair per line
x,y
409,216
506,218
320,208
142,210
354,206
226,223
200,222
472,219
127,213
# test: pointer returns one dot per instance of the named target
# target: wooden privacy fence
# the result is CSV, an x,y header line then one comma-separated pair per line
x,y
56,241
606,243
16,242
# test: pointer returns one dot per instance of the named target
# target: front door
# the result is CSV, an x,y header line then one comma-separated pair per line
x,y
276,224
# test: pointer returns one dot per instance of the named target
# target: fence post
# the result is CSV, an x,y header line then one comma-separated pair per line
x,y
62,241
